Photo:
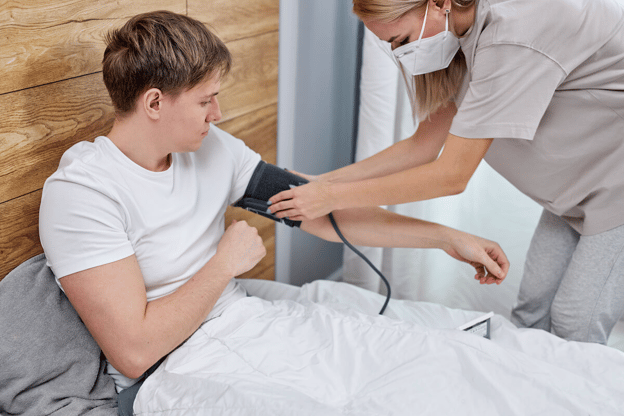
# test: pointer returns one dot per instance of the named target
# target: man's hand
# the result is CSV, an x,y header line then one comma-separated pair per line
x,y
240,248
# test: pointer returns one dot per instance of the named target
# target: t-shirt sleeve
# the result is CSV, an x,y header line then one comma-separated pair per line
x,y
247,164
80,228
509,92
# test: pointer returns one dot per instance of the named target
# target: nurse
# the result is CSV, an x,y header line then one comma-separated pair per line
x,y
534,87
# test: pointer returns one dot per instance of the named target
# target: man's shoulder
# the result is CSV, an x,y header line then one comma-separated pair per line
x,y
221,142
81,153
219,137
82,165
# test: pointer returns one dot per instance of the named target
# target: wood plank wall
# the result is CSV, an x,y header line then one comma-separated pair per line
x,y
52,96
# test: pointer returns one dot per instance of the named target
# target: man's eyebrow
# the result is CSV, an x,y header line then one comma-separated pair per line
x,y
210,95
392,39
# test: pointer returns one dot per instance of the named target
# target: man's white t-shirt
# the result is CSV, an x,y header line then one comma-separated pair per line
x,y
100,207
546,81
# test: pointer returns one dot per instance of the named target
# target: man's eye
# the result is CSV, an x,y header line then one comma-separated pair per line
x,y
404,41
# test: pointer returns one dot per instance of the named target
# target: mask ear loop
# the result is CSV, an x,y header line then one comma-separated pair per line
x,y
422,30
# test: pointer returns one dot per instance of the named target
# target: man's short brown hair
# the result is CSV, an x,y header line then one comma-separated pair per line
x,y
163,50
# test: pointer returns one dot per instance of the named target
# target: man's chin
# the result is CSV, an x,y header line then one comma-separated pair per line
x,y
194,148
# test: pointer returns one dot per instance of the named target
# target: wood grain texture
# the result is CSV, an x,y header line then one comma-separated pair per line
x,y
37,125
239,19
252,83
42,42
19,231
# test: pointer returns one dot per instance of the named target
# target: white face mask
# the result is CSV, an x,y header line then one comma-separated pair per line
x,y
429,54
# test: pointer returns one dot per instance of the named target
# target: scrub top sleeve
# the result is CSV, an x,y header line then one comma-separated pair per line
x,y
509,91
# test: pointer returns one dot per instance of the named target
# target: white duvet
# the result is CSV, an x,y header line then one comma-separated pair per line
x,y
328,353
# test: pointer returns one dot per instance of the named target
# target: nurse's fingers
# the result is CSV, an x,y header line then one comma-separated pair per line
x,y
493,268
277,198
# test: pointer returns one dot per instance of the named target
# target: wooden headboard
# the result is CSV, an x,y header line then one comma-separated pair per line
x,y
52,96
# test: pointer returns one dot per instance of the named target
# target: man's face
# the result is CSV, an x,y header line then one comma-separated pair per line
x,y
187,116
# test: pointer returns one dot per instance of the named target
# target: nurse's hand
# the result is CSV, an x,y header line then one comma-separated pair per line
x,y
487,257
305,202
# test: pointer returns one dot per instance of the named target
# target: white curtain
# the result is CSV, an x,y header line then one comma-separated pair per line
x,y
490,207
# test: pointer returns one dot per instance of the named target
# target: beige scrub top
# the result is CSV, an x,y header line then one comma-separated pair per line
x,y
546,80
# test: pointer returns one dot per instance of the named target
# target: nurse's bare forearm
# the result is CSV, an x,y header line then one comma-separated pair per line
x,y
415,184
400,156
447,175
421,148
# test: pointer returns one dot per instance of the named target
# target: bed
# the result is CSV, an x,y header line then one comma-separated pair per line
x,y
258,365
319,349
53,97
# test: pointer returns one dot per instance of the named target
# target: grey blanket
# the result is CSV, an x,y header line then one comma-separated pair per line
x,y
49,363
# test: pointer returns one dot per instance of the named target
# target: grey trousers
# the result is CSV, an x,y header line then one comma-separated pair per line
x,y
573,285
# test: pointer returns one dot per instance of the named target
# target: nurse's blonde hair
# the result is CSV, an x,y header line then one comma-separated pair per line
x,y
432,90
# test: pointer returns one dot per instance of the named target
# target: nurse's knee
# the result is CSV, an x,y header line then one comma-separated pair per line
x,y
531,314
568,326
572,323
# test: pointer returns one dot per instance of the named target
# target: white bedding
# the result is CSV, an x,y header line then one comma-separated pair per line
x,y
328,353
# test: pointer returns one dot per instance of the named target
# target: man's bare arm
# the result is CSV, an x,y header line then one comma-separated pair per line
x,y
133,333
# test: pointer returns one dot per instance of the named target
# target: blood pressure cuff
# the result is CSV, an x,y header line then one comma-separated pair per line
x,y
266,181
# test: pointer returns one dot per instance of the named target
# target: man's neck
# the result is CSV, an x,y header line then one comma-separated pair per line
x,y
135,141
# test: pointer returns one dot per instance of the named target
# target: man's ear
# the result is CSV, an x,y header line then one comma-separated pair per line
x,y
152,102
